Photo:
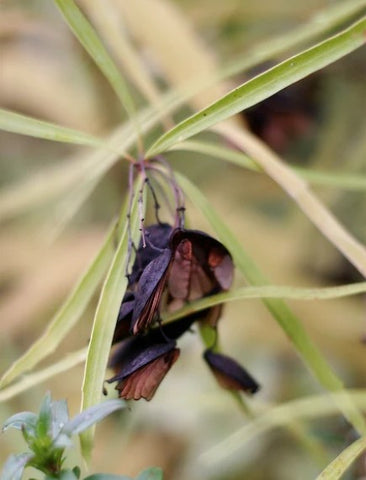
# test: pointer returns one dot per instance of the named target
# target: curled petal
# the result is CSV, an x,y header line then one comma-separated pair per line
x,y
141,345
149,290
201,265
229,373
141,376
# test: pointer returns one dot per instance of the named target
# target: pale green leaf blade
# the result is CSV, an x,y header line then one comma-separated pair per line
x,y
342,180
338,467
87,36
323,21
33,127
40,376
104,321
283,415
279,309
265,85
266,292
67,316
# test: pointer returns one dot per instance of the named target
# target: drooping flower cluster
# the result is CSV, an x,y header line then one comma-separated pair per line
x,y
174,267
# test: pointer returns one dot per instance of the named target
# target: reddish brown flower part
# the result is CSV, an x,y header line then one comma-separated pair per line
x,y
142,375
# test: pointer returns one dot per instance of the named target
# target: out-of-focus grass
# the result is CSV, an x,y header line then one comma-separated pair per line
x,y
189,413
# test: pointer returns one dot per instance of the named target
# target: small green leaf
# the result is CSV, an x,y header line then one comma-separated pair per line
x,y
44,422
91,416
14,466
22,420
77,471
264,85
153,473
24,125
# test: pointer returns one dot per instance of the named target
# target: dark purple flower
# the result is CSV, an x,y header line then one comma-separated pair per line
x,y
175,267
192,266
157,239
229,373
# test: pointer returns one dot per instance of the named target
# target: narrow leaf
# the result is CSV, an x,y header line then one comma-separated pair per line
x,y
29,381
67,316
265,85
286,414
91,416
287,320
323,21
111,27
92,44
342,180
338,467
33,127
104,321
44,422
269,291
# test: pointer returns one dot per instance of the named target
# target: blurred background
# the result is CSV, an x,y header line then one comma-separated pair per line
x,y
318,123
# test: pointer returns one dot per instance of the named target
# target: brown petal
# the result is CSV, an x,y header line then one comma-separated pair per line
x,y
143,382
201,265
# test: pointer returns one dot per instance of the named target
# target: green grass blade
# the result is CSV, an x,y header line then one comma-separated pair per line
x,y
322,22
289,323
67,316
104,323
312,407
265,85
28,381
266,292
342,180
87,36
33,127
338,467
